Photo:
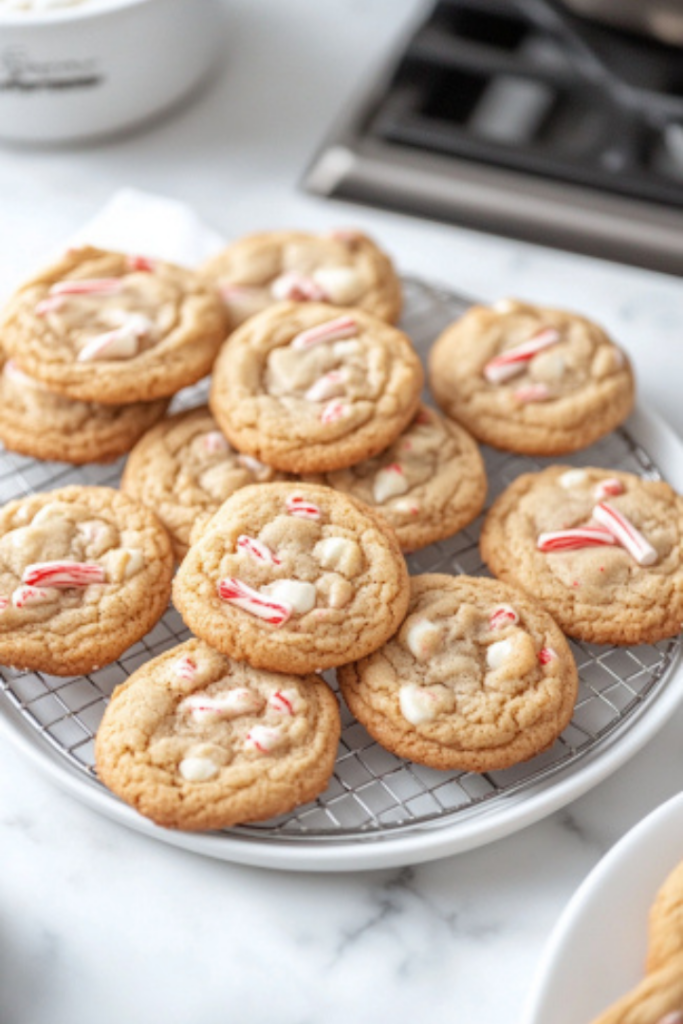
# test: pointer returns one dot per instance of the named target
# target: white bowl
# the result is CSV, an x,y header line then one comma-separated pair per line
x,y
98,66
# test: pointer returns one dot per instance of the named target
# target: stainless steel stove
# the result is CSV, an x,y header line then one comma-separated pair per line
x,y
520,118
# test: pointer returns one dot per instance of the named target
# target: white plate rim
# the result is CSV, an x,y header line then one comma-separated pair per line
x,y
388,851
614,869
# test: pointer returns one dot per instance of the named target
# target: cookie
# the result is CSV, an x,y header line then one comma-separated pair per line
x,y
428,485
194,740
84,573
104,327
530,379
344,268
602,550
293,578
308,388
184,469
478,678
658,999
44,425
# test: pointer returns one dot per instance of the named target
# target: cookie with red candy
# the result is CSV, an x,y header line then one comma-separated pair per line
x,y
195,740
84,573
293,578
602,550
478,677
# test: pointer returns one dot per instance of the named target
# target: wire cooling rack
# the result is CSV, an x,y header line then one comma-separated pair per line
x,y
373,795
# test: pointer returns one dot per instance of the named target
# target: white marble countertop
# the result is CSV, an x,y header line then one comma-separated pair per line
x,y
100,924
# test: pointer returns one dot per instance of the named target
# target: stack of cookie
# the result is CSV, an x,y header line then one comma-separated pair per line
x,y
289,501
93,348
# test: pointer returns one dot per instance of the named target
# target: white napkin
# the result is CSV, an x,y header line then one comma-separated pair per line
x,y
149,225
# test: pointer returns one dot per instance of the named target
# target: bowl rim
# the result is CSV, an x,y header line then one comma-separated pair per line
x,y
65,15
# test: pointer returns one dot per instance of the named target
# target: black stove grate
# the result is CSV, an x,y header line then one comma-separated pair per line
x,y
535,95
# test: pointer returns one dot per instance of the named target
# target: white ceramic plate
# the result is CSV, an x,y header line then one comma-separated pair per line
x,y
597,950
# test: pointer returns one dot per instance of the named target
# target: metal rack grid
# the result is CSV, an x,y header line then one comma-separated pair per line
x,y
373,794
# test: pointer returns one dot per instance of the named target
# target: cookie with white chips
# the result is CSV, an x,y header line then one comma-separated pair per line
x,y
479,677
530,379
427,485
102,326
602,550
184,469
84,573
308,388
293,578
343,267
194,740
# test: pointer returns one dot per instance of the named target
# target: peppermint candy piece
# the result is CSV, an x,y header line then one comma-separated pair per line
x,y
328,386
88,286
285,702
295,287
263,738
332,412
233,704
50,305
235,592
303,509
625,533
513,361
570,540
4,603
63,574
608,488
533,393
121,343
546,655
261,552
332,330
26,596
503,615
142,264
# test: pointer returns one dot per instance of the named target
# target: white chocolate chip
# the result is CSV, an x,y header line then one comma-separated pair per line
x,y
217,480
53,510
573,478
423,639
340,554
417,704
345,349
300,597
505,305
389,482
198,769
497,654
123,563
341,284
341,593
